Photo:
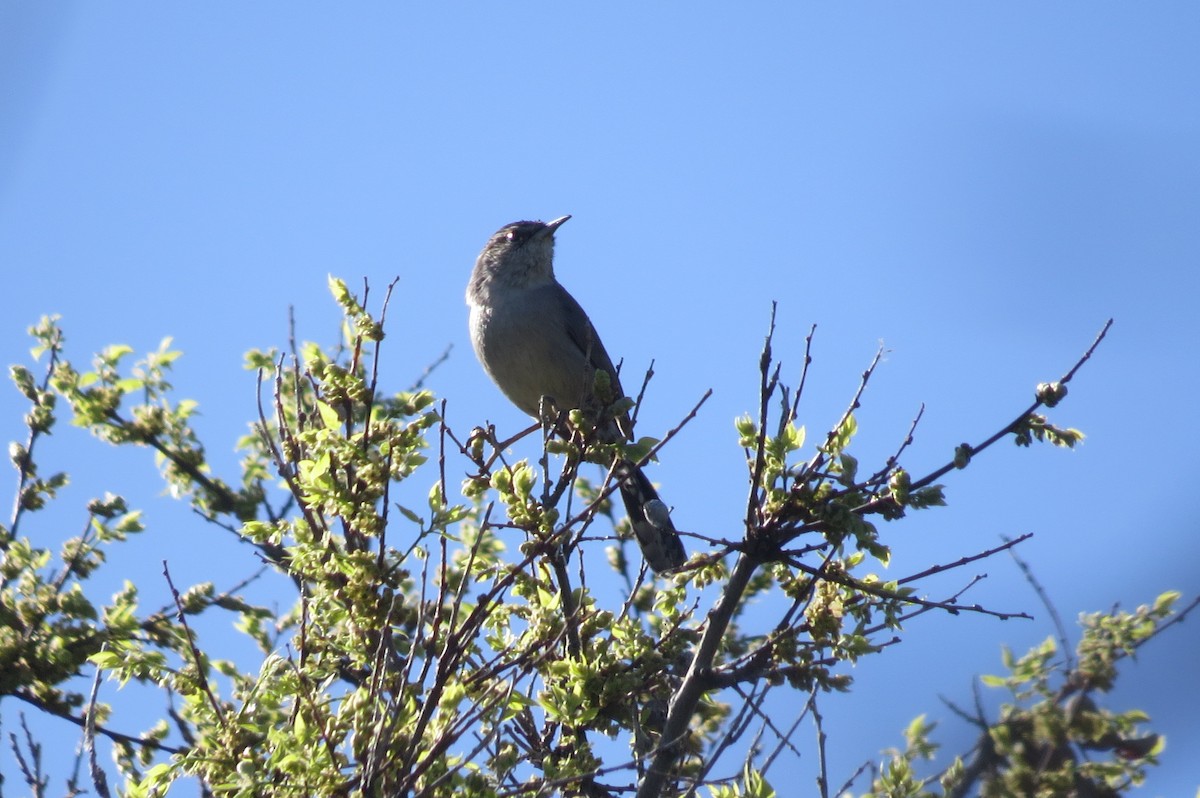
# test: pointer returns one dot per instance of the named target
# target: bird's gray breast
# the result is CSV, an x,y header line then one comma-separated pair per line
x,y
525,341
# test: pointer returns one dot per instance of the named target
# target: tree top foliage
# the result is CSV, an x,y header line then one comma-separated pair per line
x,y
461,644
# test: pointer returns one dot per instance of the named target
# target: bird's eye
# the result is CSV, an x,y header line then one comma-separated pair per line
x,y
517,236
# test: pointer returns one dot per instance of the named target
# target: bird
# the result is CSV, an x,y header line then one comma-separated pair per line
x,y
540,348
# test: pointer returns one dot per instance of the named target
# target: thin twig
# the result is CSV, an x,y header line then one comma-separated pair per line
x,y
822,764
929,479
637,402
845,788
737,727
99,780
808,340
1008,544
197,657
785,740
439,360
24,464
950,606
115,736
766,388
1055,618
611,485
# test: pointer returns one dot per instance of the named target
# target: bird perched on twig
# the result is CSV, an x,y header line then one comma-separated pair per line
x,y
539,346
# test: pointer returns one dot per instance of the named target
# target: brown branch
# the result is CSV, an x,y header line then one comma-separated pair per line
x,y
637,402
785,739
855,403
1055,618
115,736
99,781
808,340
884,472
683,705
823,768
766,388
929,479
197,657
737,727
432,367
937,569
25,463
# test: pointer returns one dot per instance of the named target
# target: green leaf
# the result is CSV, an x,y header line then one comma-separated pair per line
x,y
329,416
115,352
1165,601
108,660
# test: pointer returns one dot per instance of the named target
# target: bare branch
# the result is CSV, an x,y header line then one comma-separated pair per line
x,y
197,657
99,780
1055,618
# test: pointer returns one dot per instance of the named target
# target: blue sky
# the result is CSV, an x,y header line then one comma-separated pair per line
x,y
978,186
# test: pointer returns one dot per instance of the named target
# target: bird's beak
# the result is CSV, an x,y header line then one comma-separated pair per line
x,y
557,223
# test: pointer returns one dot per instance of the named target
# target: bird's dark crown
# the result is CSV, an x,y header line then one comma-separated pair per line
x,y
517,233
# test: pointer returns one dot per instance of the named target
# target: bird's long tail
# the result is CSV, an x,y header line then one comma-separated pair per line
x,y
650,518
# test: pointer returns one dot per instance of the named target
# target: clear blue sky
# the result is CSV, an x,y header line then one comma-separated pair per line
x,y
978,186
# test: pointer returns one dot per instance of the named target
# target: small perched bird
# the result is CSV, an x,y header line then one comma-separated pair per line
x,y
537,344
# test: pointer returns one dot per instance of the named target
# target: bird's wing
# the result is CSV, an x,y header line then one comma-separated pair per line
x,y
583,334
